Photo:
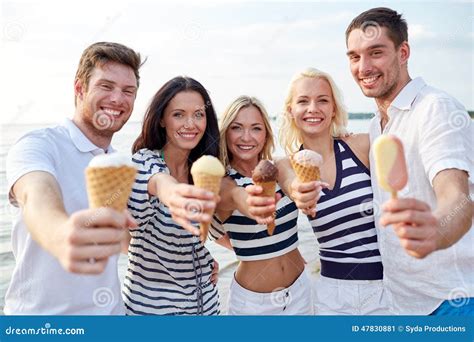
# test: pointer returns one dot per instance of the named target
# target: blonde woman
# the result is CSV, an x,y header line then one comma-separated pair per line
x,y
271,277
351,268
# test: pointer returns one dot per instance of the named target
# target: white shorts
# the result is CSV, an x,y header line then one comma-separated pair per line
x,y
350,297
293,300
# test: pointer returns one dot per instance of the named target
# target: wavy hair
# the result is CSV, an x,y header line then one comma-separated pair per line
x,y
229,116
153,136
290,136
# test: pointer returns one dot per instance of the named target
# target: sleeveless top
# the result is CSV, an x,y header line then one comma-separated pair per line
x,y
251,240
344,223
169,270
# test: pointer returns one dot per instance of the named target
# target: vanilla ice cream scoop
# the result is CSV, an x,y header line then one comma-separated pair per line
x,y
208,165
207,174
110,160
109,180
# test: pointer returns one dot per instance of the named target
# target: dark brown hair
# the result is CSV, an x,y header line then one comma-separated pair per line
x,y
397,28
98,54
153,136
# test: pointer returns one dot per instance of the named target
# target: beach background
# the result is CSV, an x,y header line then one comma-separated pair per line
x,y
232,47
122,142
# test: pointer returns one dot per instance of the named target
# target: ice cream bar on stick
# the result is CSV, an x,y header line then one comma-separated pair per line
x,y
207,174
390,165
109,181
265,175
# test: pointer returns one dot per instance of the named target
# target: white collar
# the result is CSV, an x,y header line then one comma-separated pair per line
x,y
408,94
81,142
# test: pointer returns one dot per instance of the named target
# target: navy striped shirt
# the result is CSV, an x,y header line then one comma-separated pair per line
x,y
344,223
249,239
169,271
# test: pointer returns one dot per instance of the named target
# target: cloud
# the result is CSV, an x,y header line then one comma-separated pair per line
x,y
231,48
419,31
457,37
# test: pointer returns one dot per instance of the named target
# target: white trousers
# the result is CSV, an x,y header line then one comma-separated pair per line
x,y
350,297
293,300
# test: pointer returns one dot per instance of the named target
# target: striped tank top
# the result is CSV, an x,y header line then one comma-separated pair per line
x,y
344,223
169,270
249,239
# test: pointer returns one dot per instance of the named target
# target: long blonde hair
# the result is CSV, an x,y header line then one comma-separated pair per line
x,y
229,116
290,135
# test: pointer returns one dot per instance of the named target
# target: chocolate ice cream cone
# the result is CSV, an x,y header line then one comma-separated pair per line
x,y
268,191
265,174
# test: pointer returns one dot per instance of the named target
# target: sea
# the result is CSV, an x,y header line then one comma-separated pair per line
x,y
122,141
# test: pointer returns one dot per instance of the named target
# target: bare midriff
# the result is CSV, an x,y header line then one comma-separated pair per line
x,y
265,276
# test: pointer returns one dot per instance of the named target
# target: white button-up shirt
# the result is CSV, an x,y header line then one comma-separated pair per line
x,y
437,134
39,283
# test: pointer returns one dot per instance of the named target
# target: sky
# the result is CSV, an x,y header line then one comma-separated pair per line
x,y
231,47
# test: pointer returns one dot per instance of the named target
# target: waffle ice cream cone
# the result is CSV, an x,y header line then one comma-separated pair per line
x,y
265,175
306,165
207,174
109,180
268,191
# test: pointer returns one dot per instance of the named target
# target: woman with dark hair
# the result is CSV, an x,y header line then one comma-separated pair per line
x,y
169,271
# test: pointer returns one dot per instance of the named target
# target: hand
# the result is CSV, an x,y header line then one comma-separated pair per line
x,y
261,208
415,225
306,195
87,239
215,272
190,203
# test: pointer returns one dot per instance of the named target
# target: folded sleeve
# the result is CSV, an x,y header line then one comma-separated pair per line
x,y
446,138
141,204
35,151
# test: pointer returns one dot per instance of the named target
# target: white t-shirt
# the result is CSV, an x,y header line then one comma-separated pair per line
x,y
437,134
39,283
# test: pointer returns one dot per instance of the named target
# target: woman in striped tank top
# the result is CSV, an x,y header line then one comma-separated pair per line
x,y
169,271
351,268
271,277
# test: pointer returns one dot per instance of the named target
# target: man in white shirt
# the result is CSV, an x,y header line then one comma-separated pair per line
x,y
66,255
425,235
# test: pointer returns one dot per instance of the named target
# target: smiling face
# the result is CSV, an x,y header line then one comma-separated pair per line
x,y
312,106
184,120
376,65
246,136
107,102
